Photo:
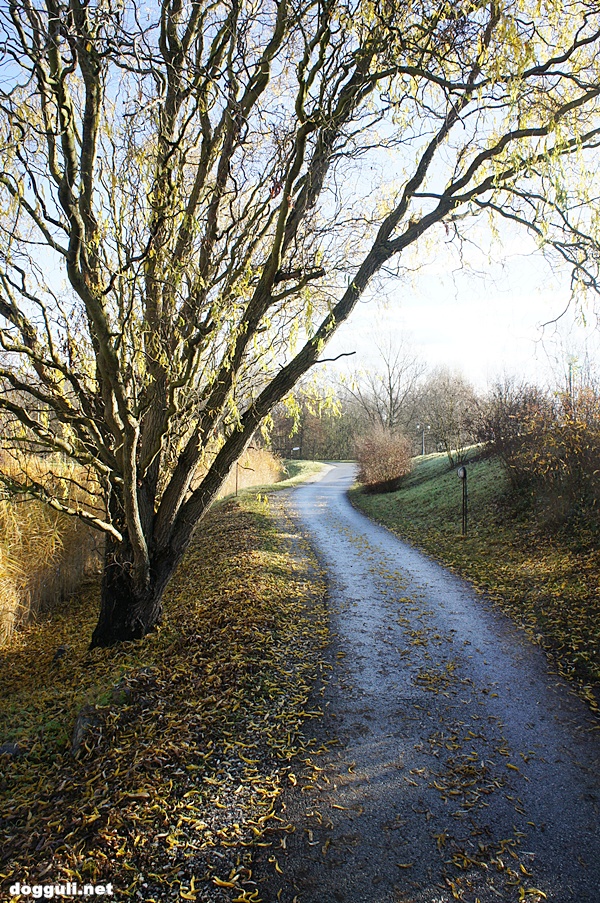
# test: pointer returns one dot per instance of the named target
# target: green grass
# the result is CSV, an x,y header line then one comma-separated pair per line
x,y
548,582
430,499
299,471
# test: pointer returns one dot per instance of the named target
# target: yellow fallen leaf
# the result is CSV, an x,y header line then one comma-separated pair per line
x,y
220,883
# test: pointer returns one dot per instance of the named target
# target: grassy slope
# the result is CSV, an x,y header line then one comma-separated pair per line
x,y
549,584
194,728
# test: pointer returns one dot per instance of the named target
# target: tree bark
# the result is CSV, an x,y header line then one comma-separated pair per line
x,y
127,611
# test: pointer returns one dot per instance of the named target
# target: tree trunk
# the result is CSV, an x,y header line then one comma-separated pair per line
x,y
128,612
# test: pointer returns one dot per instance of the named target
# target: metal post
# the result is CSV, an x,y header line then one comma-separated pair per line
x,y
462,475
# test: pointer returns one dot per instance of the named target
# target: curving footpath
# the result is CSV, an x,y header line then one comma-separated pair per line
x,y
459,766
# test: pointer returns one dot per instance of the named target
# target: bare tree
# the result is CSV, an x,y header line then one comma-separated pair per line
x,y
387,393
179,241
449,407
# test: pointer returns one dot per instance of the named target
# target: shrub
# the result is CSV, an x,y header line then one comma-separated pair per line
x,y
550,446
567,460
383,457
512,422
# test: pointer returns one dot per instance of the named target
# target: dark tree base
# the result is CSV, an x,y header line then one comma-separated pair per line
x,y
110,631
125,612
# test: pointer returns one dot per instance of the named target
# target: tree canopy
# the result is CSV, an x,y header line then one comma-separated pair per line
x,y
196,193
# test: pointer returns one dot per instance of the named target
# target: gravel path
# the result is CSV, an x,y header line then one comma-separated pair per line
x,y
458,765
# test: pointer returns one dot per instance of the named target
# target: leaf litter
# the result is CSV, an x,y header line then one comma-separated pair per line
x,y
186,738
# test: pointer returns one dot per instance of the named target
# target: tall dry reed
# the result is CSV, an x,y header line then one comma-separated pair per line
x,y
256,467
44,555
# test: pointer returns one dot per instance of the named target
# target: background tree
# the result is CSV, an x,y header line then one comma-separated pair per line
x,y
180,238
387,394
323,417
449,406
321,426
309,423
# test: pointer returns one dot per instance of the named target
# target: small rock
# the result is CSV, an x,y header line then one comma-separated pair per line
x,y
12,749
87,730
60,654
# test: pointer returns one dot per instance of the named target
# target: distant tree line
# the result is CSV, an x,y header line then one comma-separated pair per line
x,y
548,439
432,410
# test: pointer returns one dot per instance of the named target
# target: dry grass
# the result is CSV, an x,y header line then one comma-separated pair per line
x,y
44,555
256,467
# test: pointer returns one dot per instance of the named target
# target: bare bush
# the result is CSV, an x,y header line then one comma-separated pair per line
x,y
512,421
549,445
383,457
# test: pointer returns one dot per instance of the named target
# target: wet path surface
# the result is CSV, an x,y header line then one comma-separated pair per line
x,y
459,766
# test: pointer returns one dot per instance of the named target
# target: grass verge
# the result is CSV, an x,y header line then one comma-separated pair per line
x,y
184,740
548,582
298,472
